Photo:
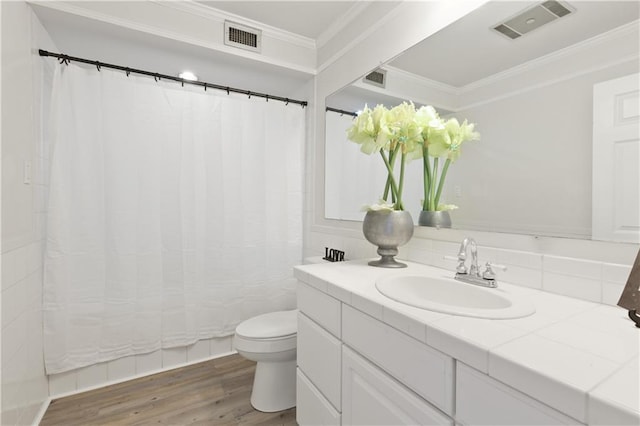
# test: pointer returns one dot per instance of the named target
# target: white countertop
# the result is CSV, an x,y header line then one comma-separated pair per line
x,y
578,357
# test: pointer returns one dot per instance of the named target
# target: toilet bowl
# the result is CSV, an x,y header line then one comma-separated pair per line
x,y
270,340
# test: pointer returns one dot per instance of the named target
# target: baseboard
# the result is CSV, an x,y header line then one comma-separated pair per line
x,y
138,376
41,411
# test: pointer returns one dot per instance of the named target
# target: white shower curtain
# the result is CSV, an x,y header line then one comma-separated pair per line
x,y
173,214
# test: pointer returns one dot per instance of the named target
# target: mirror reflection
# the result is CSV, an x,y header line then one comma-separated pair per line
x,y
541,102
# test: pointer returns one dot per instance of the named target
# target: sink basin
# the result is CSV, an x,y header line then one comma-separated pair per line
x,y
453,297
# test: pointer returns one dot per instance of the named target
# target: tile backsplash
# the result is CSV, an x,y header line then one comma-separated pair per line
x,y
591,280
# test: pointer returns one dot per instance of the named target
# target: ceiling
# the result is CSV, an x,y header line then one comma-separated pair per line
x,y
309,19
464,52
469,50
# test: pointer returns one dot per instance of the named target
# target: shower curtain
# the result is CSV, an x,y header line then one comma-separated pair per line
x,y
173,214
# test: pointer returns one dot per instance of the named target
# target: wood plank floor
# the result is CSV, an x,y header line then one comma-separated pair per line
x,y
213,392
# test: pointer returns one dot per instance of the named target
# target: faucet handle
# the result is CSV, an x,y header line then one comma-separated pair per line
x,y
488,273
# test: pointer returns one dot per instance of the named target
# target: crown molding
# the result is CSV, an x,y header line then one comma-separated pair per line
x,y
161,32
584,71
625,30
341,23
426,82
219,16
552,57
362,36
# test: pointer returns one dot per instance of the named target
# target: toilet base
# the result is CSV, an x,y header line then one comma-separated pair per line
x,y
274,386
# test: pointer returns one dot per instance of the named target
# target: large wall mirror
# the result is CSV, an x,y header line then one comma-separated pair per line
x,y
535,169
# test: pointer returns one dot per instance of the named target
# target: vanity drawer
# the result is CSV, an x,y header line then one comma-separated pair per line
x,y
319,358
370,396
424,370
323,309
483,400
311,407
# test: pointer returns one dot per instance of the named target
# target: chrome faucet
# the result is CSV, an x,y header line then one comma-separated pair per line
x,y
468,243
473,275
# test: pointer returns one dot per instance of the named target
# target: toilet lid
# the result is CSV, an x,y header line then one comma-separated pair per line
x,y
269,326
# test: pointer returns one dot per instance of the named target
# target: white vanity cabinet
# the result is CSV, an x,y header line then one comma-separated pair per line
x,y
353,369
319,358
482,400
365,360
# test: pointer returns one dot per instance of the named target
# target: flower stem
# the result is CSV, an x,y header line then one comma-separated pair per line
x,y
432,191
401,185
387,185
441,183
394,186
426,173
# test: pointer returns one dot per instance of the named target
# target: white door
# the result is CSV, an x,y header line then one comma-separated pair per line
x,y
616,160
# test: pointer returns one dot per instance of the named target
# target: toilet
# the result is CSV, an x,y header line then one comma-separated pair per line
x,y
270,340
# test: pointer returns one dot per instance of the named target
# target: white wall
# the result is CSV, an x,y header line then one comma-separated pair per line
x,y
531,171
24,384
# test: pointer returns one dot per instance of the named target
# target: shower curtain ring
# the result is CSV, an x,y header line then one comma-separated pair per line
x,y
98,66
267,96
227,90
205,87
287,101
128,71
249,93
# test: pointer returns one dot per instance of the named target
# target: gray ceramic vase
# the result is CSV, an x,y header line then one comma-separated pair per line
x,y
388,230
436,219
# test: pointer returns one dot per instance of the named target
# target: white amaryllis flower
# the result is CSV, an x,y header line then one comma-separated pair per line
x,y
381,206
403,133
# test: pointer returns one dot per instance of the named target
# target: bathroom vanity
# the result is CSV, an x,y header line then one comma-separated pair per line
x,y
364,358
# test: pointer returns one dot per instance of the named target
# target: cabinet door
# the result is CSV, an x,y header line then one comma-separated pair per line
x,y
481,400
427,372
371,397
311,407
319,358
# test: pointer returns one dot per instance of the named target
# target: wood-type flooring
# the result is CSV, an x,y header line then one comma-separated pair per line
x,y
213,392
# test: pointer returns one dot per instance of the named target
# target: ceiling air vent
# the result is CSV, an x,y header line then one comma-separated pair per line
x,y
533,18
242,36
377,78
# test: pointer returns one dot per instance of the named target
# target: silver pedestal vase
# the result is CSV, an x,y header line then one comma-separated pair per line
x,y
436,219
388,230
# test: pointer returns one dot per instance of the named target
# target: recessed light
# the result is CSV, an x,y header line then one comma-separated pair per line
x,y
188,75
530,21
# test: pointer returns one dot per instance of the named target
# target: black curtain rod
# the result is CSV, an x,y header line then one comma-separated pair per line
x,y
65,59
341,111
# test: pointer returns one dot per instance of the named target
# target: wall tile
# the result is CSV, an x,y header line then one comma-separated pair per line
x,y
121,368
13,386
519,258
198,351
580,288
615,273
17,295
220,345
92,376
574,267
63,383
173,357
9,269
148,362
611,292
13,336
518,275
